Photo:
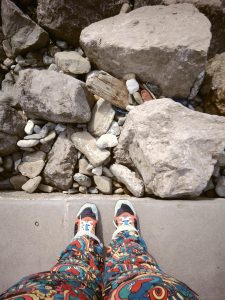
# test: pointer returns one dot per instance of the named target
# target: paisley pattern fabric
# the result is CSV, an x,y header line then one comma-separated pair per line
x,y
129,273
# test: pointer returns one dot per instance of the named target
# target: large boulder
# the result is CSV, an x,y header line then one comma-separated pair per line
x,y
23,34
65,19
53,96
173,148
213,88
214,11
61,163
165,45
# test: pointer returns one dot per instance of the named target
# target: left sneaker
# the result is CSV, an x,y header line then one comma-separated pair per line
x,y
86,221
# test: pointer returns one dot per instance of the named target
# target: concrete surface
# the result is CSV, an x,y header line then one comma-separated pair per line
x,y
186,237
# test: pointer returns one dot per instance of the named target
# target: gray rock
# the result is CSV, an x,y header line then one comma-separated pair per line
x,y
104,184
32,164
83,167
129,179
102,117
27,143
86,144
83,189
51,136
107,141
177,44
53,96
24,34
18,181
97,171
72,62
220,187
114,129
45,188
107,172
82,179
61,163
174,148
32,184
108,87
93,190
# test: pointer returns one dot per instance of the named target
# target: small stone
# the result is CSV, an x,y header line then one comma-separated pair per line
x,y
82,179
121,121
119,191
7,48
53,49
107,141
37,129
75,185
86,144
116,184
27,143
114,129
48,60
1,169
138,98
104,184
18,181
216,172
97,171
51,136
60,128
125,8
8,62
220,187
17,69
102,117
83,167
31,169
45,188
72,62
92,190
83,189
29,127
107,172
32,184
73,191
53,67
62,44
132,86
129,179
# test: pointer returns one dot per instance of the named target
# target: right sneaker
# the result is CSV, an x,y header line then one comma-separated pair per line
x,y
86,221
125,217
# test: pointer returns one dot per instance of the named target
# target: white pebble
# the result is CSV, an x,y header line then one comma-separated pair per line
x,y
29,127
132,86
27,143
97,171
48,138
93,190
114,129
220,187
60,128
107,141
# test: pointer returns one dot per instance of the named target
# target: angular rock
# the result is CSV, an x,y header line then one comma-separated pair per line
x,y
101,118
53,96
108,87
82,179
104,184
83,167
72,62
172,56
24,34
45,188
213,89
97,171
86,144
107,141
18,181
129,179
32,184
174,148
61,163
220,187
65,19
114,129
32,164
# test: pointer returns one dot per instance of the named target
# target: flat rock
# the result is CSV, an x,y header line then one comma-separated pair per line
x,y
72,62
213,88
172,55
101,118
129,179
83,167
53,96
32,184
86,144
108,87
82,179
32,164
104,184
107,141
174,148
61,163
24,34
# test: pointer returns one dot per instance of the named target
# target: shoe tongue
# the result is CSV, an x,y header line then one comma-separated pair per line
x,y
87,212
124,208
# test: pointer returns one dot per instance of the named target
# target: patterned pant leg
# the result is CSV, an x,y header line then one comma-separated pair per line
x,y
77,275
131,273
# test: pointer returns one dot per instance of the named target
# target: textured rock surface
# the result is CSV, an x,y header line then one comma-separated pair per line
x,y
213,89
101,118
174,149
65,19
24,34
129,179
53,96
86,144
61,163
32,164
104,184
177,45
32,184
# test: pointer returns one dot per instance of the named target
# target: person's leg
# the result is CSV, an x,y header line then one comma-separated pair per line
x,y
132,273
78,272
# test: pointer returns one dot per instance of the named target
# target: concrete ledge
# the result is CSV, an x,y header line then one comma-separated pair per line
x,y
186,237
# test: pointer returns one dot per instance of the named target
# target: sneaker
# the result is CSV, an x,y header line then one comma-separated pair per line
x,y
86,221
125,217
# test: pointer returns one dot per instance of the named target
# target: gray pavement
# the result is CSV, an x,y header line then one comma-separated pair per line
x,y
186,237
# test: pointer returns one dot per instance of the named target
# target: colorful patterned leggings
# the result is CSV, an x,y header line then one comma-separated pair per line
x,y
129,273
